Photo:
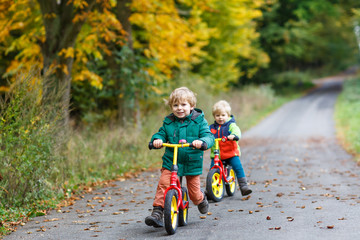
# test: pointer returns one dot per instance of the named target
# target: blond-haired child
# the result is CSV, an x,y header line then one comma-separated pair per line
x,y
225,126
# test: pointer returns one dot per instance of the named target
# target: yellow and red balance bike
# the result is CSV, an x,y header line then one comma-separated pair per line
x,y
176,197
219,176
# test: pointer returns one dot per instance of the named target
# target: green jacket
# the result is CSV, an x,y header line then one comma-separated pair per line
x,y
193,127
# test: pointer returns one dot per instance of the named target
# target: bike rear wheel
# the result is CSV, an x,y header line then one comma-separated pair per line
x,y
214,185
183,213
231,186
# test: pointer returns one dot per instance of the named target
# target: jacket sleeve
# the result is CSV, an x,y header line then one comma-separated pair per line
x,y
205,134
161,134
235,130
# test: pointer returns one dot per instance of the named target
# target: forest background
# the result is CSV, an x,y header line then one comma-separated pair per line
x,y
83,82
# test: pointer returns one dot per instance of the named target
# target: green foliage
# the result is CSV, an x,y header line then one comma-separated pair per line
x,y
121,88
30,143
301,35
347,115
291,81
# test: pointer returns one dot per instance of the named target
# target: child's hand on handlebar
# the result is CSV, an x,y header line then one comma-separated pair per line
x,y
233,137
197,143
157,143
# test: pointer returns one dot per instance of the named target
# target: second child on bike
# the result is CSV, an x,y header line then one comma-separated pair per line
x,y
225,126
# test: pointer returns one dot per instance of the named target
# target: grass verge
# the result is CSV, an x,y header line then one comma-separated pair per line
x,y
347,116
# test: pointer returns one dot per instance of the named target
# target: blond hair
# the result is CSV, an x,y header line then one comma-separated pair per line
x,y
182,94
221,106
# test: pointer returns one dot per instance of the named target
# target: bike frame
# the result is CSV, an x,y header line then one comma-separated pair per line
x,y
174,180
218,163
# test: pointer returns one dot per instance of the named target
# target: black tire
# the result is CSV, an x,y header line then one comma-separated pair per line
x,y
184,213
214,189
171,216
231,186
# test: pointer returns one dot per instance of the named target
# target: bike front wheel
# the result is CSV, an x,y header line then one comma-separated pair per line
x,y
215,185
171,212
231,186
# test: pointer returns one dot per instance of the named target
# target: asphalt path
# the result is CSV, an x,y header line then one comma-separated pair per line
x,y
305,186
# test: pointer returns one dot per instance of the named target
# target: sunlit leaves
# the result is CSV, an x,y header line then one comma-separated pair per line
x,y
168,37
233,38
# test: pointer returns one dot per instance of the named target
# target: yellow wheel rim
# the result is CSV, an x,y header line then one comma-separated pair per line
x,y
232,183
185,211
174,212
217,187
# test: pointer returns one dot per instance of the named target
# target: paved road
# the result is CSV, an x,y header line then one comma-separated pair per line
x,y
305,186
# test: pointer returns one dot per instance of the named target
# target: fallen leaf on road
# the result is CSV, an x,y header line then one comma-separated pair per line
x,y
318,208
124,209
330,227
279,194
268,218
202,217
230,210
51,220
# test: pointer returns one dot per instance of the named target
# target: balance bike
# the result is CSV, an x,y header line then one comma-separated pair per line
x,y
220,175
176,197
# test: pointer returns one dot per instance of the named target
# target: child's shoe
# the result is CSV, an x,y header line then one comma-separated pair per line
x,y
204,205
156,218
245,190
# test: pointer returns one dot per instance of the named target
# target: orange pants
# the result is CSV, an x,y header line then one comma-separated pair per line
x,y
193,186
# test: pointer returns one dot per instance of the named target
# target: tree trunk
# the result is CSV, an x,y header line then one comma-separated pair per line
x,y
61,33
123,13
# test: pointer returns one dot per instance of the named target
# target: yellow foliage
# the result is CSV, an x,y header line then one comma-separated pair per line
x,y
94,79
81,4
171,38
67,52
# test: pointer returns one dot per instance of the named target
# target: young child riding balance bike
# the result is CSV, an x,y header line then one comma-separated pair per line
x,y
188,123
225,126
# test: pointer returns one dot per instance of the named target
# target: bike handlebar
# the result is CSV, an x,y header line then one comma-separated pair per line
x,y
224,139
203,145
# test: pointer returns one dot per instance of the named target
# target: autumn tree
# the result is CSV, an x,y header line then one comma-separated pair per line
x,y
57,36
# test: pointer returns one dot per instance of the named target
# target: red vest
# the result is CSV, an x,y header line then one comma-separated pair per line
x,y
228,149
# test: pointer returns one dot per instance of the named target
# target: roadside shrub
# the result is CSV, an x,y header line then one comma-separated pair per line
x,y
30,133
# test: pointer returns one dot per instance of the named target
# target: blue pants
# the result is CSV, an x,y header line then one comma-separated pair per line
x,y
236,165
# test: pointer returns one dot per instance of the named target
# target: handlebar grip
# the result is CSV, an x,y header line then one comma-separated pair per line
x,y
151,146
203,146
236,138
